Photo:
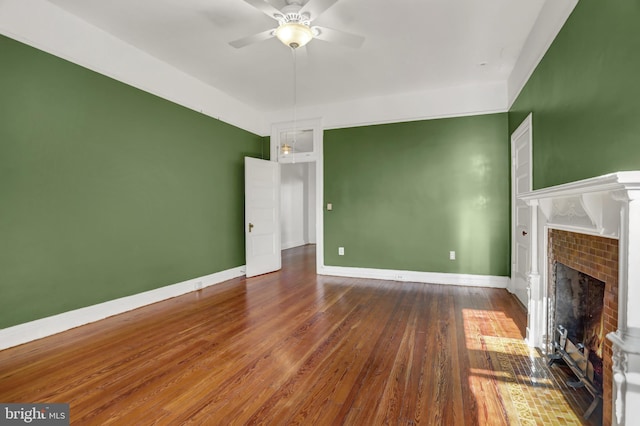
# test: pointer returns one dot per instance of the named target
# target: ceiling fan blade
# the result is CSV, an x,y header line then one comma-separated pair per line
x,y
245,41
315,7
339,37
265,8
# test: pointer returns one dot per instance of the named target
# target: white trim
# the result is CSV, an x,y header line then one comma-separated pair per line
x,y
318,142
590,206
447,102
50,28
612,182
540,296
526,127
320,197
23,333
417,276
550,21
315,124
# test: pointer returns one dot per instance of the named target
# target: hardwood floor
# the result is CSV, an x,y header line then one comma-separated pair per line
x,y
284,348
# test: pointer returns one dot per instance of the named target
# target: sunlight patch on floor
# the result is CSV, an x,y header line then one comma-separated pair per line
x,y
531,392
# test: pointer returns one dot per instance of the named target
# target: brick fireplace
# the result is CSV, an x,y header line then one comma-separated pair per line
x,y
591,226
597,257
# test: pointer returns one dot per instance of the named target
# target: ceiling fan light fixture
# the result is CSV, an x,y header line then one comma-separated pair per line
x,y
294,34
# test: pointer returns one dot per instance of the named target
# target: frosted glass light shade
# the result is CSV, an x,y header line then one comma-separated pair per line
x,y
294,34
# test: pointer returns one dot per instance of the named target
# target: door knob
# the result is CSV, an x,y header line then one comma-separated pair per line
x,y
250,226
524,233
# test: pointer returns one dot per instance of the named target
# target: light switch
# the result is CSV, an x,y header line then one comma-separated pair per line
x,y
329,206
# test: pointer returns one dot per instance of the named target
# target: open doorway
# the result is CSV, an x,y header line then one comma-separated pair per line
x,y
297,146
297,204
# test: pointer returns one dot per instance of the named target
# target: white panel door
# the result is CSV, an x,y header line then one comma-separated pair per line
x,y
521,216
262,216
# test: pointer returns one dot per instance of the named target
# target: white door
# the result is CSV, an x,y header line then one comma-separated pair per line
x,y
262,216
521,160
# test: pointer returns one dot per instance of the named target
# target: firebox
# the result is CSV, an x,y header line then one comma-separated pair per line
x,y
578,325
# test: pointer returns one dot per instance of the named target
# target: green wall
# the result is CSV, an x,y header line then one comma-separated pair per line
x,y
585,96
107,191
406,194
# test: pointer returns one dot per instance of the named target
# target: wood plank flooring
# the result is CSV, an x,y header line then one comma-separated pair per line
x,y
284,348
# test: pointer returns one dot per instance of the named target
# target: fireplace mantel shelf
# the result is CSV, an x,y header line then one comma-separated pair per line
x,y
589,205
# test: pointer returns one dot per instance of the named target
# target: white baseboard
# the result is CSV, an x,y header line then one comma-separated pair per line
x,y
415,276
33,330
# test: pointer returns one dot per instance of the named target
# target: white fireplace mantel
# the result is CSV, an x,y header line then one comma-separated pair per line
x,y
607,206
590,206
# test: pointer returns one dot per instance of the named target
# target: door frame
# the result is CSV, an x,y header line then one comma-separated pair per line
x,y
314,124
536,290
525,127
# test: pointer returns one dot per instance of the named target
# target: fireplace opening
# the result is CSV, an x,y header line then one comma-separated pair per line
x,y
578,323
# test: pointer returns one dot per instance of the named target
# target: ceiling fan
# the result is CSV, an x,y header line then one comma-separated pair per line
x,y
294,25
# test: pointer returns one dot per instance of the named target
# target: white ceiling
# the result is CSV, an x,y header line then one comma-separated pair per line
x,y
411,45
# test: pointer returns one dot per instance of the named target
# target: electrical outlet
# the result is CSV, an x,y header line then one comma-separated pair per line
x,y
452,255
340,251
198,285
399,277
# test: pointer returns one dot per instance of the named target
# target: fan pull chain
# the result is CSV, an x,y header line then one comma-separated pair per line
x,y
295,101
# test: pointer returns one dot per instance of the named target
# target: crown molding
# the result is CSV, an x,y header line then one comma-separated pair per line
x,y
551,19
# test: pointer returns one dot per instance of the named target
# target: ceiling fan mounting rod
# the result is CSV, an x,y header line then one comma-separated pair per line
x,y
290,14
